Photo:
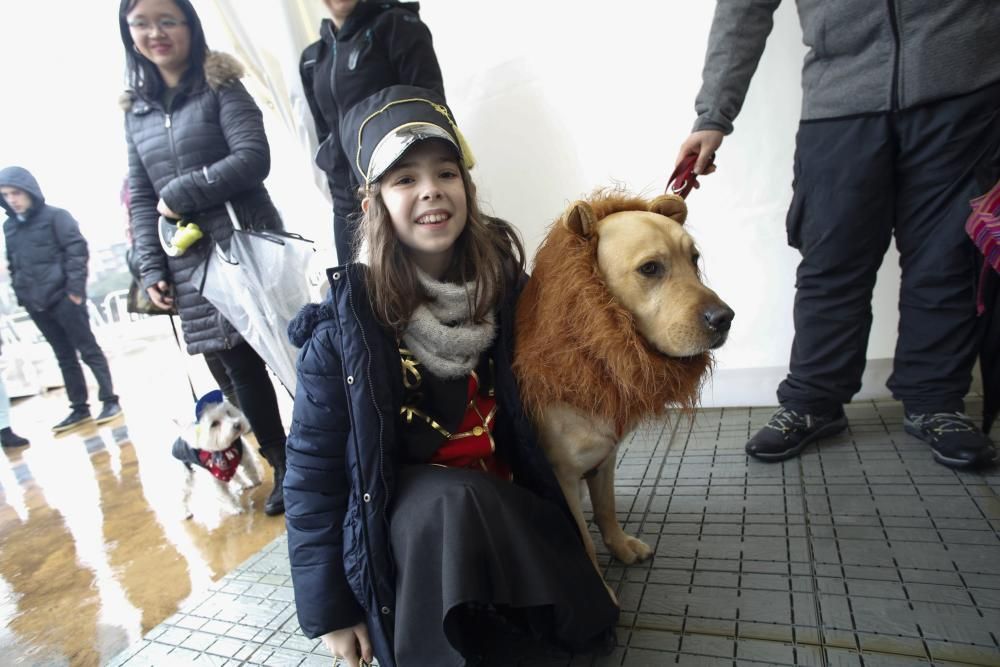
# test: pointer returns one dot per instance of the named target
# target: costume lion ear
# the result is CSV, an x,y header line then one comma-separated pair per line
x,y
671,206
580,219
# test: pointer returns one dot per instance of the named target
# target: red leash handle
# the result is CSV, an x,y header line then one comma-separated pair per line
x,y
683,180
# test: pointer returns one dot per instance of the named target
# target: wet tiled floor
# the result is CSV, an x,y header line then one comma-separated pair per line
x,y
861,552
94,547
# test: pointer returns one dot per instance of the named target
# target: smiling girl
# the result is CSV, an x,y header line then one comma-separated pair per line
x,y
425,525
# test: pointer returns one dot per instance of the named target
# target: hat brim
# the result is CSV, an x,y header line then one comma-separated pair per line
x,y
395,143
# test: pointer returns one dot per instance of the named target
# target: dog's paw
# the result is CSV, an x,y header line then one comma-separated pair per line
x,y
630,550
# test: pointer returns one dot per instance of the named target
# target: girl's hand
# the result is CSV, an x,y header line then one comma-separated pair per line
x,y
350,644
702,143
75,299
159,294
166,211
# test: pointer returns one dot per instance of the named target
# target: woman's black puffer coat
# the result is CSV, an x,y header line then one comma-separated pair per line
x,y
209,147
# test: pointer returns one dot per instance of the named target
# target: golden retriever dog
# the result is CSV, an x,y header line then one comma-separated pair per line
x,y
613,327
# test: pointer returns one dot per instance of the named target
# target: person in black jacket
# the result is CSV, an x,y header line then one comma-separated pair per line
x,y
47,261
363,48
425,525
195,141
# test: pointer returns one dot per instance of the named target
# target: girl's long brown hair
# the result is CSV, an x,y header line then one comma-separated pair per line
x,y
488,253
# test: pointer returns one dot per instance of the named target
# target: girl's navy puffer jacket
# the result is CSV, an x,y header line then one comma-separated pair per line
x,y
342,457
209,147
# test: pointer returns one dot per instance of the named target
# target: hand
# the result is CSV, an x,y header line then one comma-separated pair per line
x,y
75,299
159,294
166,211
703,143
346,643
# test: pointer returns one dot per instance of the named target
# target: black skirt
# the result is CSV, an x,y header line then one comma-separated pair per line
x,y
479,558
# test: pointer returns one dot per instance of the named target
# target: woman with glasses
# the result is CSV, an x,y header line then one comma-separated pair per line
x,y
195,141
363,48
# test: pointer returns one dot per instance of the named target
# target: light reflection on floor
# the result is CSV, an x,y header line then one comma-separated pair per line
x,y
94,547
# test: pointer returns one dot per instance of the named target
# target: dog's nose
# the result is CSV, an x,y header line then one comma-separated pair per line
x,y
719,318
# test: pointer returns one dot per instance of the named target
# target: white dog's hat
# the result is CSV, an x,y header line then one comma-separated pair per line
x,y
211,398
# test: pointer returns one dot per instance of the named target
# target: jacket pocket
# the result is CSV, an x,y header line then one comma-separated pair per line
x,y
354,552
796,210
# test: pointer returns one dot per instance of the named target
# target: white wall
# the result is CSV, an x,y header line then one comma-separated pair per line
x,y
560,97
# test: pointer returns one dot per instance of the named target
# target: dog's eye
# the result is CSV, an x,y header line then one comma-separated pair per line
x,y
651,269
216,424
694,258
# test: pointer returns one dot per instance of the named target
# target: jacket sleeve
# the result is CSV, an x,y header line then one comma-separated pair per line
x,y
73,247
149,255
307,70
316,489
408,43
735,44
246,166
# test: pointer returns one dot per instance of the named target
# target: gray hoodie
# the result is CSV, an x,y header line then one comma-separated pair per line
x,y
865,56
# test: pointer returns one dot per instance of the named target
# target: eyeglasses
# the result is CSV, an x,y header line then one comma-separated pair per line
x,y
163,25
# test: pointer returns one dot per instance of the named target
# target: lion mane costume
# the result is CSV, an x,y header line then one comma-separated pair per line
x,y
576,345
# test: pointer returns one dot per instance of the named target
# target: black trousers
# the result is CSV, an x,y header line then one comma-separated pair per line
x,y
859,182
66,327
221,377
257,399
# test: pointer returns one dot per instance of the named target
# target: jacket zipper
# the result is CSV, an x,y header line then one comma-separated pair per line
x,y
170,140
894,24
378,411
333,77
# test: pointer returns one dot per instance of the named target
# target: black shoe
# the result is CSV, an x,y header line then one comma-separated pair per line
x,y
10,439
109,412
76,418
954,438
275,503
787,432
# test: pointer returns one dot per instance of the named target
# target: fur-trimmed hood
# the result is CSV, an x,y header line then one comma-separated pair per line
x,y
221,69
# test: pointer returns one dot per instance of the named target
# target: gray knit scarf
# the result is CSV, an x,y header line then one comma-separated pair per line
x,y
441,334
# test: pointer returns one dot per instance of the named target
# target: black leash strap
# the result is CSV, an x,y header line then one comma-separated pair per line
x,y
177,339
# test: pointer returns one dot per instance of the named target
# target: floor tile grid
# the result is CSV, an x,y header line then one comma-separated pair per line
x,y
692,634
905,530
246,618
810,639
661,468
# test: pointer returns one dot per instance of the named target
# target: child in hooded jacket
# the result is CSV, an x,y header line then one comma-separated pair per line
x,y
425,525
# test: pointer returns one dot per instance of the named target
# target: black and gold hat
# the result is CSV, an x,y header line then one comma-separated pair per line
x,y
380,128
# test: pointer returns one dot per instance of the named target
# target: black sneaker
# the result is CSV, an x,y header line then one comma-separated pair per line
x,y
10,439
108,412
788,432
954,438
76,418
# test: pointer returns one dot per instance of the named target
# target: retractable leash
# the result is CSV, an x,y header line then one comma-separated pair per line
x,y
683,180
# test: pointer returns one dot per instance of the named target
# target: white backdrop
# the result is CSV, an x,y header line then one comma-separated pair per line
x,y
558,98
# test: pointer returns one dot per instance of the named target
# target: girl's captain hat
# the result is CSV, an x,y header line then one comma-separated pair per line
x,y
377,130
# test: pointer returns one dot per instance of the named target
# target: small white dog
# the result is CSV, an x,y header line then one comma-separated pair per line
x,y
219,450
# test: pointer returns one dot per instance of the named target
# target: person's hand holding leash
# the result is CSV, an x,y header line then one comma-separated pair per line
x,y
159,294
702,143
348,643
